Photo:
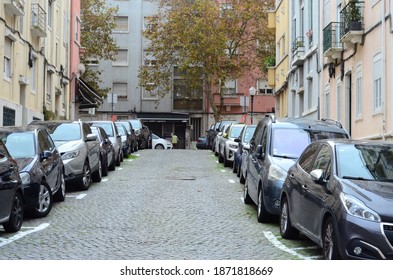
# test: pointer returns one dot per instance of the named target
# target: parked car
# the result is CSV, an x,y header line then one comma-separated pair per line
x,y
340,195
201,143
211,133
114,135
142,133
227,144
125,139
79,149
221,129
132,135
40,167
11,192
274,148
106,149
160,143
242,148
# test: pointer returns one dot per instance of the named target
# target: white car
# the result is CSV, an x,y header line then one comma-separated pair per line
x,y
160,143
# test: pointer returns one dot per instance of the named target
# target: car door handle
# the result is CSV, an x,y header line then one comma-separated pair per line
x,y
304,187
291,176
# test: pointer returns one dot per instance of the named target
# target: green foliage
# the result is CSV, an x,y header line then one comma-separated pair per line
x,y
48,115
206,43
98,22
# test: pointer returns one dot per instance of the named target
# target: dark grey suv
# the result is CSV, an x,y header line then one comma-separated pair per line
x,y
274,148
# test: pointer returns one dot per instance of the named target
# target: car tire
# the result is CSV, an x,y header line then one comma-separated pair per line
x,y
85,181
287,231
234,166
61,192
118,160
159,147
97,175
262,215
112,165
242,179
225,160
329,241
121,155
105,166
16,217
247,198
238,171
44,202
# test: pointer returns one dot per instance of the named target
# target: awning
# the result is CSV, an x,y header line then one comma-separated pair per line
x,y
163,117
87,96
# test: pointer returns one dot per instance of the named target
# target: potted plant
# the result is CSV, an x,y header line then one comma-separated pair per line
x,y
354,16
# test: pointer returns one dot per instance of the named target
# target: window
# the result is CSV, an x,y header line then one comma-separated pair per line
x,y
121,24
50,8
339,96
121,58
230,87
49,88
33,73
359,94
8,116
377,82
327,104
65,29
77,29
121,89
7,57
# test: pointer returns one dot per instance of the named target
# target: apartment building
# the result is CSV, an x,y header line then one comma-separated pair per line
x,y
35,60
357,75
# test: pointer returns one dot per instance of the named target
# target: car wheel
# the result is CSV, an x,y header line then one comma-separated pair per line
x,y
86,178
44,203
247,198
16,217
225,160
263,216
238,171
329,241
121,155
118,160
61,192
112,166
105,165
234,166
97,175
159,147
286,229
242,179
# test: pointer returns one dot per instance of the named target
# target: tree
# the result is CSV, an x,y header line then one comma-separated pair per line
x,y
98,22
208,42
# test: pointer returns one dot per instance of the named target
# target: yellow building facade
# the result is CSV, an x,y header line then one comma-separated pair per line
x,y
34,39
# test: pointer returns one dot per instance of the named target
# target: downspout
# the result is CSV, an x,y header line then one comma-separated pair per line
x,y
383,78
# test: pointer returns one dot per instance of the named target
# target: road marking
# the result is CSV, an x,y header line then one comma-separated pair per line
x,y
223,170
270,236
231,181
120,168
77,196
20,234
104,179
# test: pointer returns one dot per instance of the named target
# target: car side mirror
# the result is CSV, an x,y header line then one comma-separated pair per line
x,y
260,153
317,176
237,140
219,134
91,137
246,147
46,155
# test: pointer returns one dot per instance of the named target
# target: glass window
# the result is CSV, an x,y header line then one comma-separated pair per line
x,y
377,82
66,132
121,24
21,145
306,159
289,142
322,161
121,58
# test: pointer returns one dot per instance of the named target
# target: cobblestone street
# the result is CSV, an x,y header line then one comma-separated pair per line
x,y
166,204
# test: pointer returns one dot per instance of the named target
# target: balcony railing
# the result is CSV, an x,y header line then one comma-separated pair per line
x,y
331,39
15,7
298,50
38,20
352,17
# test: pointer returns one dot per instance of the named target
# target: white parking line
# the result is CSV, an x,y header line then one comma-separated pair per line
x,y
77,196
20,234
270,236
231,181
223,170
119,168
104,179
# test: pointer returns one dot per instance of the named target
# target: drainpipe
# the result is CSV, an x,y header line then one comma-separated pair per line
x,y
383,85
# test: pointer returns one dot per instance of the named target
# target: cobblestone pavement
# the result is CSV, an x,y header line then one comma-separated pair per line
x,y
161,204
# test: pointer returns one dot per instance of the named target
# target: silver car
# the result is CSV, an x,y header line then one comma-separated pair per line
x,y
79,149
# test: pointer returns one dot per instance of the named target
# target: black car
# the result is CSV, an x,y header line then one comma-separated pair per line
x,y
106,149
274,148
40,166
11,192
340,195
132,134
125,139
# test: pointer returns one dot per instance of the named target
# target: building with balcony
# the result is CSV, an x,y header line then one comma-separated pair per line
x,y
35,37
356,87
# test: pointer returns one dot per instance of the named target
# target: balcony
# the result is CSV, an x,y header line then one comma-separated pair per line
x,y
15,7
332,47
352,22
38,20
298,51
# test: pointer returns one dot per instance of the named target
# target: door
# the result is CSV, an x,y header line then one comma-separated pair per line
x,y
7,182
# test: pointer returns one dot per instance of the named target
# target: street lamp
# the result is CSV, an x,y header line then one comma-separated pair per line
x,y
252,92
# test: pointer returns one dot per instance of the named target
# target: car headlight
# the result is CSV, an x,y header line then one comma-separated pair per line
x,y
70,155
358,209
277,173
25,176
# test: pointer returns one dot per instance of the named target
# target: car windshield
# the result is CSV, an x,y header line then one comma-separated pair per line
x,y
248,134
365,162
289,143
67,132
122,130
107,127
235,131
136,124
21,145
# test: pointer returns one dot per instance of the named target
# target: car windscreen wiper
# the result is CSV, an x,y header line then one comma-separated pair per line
x,y
285,156
357,178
